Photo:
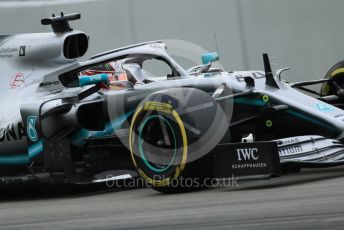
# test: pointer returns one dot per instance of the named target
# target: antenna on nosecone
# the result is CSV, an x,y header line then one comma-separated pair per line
x,y
217,48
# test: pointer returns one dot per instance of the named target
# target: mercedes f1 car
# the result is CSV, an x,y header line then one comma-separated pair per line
x,y
135,111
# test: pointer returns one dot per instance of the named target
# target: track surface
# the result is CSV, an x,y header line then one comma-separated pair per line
x,y
313,199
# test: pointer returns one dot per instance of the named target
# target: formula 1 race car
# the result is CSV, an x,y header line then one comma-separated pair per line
x,y
135,111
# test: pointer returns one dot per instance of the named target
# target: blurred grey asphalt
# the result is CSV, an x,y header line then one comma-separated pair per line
x,y
312,199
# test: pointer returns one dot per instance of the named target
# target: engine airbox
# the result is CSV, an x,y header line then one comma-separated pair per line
x,y
75,46
47,48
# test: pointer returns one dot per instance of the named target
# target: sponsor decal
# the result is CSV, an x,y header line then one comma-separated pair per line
x,y
324,107
49,83
157,106
290,141
249,155
22,51
247,159
31,128
7,52
339,116
249,165
17,81
12,133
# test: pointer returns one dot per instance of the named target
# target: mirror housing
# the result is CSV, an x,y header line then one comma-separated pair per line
x,y
209,58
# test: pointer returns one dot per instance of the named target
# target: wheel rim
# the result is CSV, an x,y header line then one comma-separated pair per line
x,y
141,141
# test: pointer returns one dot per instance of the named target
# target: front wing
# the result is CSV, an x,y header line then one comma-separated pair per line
x,y
268,159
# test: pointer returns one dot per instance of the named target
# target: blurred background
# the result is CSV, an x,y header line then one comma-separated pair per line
x,y
306,35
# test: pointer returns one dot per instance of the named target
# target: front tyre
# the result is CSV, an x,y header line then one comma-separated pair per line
x,y
336,74
171,137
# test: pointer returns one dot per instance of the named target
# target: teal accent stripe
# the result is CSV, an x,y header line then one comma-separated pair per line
x,y
14,160
246,101
78,138
303,117
256,102
35,149
22,159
